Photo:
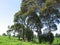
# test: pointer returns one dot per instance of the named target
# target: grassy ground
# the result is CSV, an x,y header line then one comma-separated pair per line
x,y
4,40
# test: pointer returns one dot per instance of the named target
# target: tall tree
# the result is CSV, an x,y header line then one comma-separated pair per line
x,y
42,12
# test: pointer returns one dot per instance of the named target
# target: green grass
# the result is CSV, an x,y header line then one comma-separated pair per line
x,y
56,41
4,40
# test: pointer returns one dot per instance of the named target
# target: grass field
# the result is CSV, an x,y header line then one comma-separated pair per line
x,y
4,40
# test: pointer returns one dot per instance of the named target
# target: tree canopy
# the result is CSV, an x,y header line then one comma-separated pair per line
x,y
38,14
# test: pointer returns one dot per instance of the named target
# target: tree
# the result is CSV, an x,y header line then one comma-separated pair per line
x,y
18,28
13,29
57,35
30,11
39,12
4,34
9,32
49,15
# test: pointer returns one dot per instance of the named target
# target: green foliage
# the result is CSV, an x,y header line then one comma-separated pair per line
x,y
45,8
57,35
16,16
47,38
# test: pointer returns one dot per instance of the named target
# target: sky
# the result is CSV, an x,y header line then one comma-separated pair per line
x,y
7,10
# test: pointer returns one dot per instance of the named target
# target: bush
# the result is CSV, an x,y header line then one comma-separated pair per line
x,y
47,38
4,34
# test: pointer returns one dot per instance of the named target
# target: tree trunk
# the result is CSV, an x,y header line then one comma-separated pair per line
x,y
23,36
19,35
39,34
